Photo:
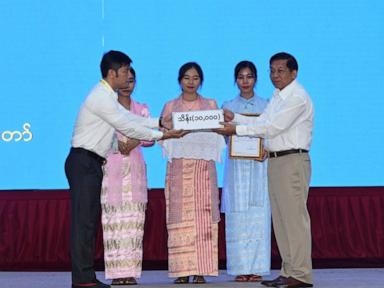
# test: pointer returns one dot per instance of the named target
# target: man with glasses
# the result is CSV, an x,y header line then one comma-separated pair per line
x,y
286,124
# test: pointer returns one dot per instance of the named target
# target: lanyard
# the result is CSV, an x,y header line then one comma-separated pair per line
x,y
106,85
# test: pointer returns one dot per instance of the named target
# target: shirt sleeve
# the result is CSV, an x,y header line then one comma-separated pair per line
x,y
131,125
274,120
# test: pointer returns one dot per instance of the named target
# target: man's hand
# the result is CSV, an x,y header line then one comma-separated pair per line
x,y
173,134
228,115
228,129
126,147
265,156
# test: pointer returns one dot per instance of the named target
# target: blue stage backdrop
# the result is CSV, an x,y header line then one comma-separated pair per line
x,y
50,54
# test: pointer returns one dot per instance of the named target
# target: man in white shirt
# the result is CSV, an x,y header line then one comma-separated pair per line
x,y
92,138
286,124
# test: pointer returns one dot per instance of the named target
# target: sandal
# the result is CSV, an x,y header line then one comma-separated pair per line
x,y
254,278
124,281
197,279
182,280
242,278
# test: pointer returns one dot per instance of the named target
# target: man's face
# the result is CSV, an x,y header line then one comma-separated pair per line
x,y
121,78
280,75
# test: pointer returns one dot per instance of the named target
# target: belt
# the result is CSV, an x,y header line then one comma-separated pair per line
x,y
95,156
286,152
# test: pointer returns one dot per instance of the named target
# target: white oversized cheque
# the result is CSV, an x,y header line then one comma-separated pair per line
x,y
198,120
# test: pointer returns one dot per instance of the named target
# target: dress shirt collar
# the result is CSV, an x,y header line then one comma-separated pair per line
x,y
248,101
286,91
106,85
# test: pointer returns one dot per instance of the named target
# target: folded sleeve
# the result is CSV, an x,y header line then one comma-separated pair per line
x,y
129,124
273,121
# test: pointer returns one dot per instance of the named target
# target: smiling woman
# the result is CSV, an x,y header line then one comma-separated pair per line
x,y
124,198
245,199
191,190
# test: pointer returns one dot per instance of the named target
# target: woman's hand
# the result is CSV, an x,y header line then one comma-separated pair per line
x,y
166,122
228,115
126,147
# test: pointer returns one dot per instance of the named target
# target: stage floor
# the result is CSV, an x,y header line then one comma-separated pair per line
x,y
323,278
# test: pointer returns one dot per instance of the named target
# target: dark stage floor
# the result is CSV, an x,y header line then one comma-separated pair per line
x,y
323,278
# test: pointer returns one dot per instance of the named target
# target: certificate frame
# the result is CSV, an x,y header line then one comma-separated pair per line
x,y
245,147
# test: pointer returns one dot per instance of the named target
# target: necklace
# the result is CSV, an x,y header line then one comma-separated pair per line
x,y
190,104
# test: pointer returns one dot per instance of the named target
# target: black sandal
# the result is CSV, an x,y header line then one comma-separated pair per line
x,y
182,280
124,281
197,279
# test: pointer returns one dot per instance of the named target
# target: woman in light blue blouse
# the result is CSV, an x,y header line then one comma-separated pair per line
x,y
245,199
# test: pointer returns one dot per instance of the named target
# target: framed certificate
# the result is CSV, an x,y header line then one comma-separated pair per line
x,y
246,147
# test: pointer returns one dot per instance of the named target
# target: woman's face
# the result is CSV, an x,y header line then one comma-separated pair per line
x,y
191,81
246,81
127,91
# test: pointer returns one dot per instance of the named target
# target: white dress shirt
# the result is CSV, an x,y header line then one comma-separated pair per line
x,y
99,117
286,123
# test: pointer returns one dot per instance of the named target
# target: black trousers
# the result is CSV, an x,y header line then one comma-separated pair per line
x,y
84,173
